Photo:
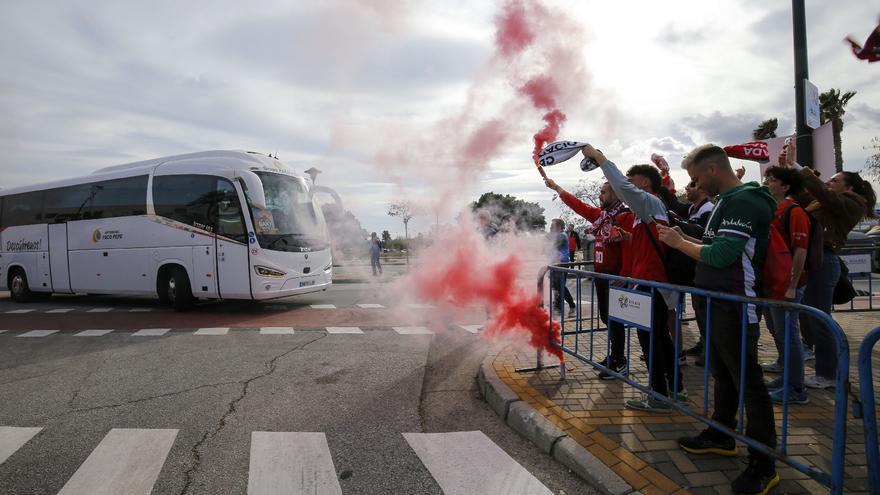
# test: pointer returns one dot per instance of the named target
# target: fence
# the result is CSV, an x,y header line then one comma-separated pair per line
x,y
642,320
866,408
861,261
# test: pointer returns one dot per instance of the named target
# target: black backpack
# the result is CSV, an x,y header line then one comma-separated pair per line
x,y
815,248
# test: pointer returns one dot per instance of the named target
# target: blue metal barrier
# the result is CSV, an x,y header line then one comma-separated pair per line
x,y
867,409
833,480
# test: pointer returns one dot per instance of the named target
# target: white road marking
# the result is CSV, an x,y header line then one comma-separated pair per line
x,y
151,332
276,330
140,310
38,333
472,328
2,331
468,462
413,331
127,461
92,333
12,438
291,463
370,306
344,330
211,331
100,310
60,310
323,306
19,311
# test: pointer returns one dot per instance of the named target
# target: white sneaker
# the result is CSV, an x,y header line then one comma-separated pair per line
x,y
819,382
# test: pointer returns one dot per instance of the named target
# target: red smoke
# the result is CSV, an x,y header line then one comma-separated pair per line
x,y
513,34
466,275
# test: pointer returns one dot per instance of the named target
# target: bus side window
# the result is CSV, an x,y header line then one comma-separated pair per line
x,y
22,209
186,198
230,222
119,197
65,204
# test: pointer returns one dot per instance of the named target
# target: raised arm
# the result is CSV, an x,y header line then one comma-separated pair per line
x,y
591,213
645,205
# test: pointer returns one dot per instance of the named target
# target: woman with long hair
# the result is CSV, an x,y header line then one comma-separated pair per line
x,y
838,205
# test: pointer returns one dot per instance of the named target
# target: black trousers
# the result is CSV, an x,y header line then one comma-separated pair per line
x,y
725,355
664,363
616,332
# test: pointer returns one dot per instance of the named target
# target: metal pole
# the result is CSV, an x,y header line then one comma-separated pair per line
x,y
801,73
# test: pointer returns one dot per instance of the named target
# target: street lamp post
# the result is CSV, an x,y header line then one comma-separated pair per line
x,y
801,74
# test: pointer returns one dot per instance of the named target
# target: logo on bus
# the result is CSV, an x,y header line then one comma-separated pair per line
x,y
109,235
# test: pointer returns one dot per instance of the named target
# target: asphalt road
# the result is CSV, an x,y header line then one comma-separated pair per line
x,y
362,391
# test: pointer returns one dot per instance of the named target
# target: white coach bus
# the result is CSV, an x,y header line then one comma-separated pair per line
x,y
209,225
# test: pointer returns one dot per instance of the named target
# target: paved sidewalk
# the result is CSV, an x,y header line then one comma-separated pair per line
x,y
641,447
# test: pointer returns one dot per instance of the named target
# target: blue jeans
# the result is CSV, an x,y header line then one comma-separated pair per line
x,y
775,318
820,294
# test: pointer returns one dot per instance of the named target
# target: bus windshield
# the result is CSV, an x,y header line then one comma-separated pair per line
x,y
292,221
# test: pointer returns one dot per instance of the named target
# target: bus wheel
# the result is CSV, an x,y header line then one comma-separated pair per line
x,y
178,291
18,286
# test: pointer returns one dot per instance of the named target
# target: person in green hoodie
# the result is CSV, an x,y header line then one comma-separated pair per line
x,y
730,258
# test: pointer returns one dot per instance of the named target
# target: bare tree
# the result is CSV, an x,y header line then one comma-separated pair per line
x,y
872,164
405,210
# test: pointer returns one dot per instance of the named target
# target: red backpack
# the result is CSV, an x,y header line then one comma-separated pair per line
x,y
777,265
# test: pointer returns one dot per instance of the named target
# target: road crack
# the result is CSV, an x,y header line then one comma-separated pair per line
x,y
196,449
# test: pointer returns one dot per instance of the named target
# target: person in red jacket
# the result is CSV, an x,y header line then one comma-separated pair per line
x,y
639,191
607,258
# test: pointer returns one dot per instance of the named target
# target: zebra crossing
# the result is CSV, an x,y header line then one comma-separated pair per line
x,y
225,331
129,461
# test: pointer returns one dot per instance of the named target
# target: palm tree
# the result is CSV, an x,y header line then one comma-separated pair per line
x,y
832,106
765,130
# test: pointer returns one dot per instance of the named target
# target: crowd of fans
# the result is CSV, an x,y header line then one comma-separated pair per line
x,y
726,237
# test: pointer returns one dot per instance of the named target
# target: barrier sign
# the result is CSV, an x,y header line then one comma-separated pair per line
x,y
857,263
630,307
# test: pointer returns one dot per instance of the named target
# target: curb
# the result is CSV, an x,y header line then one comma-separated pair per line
x,y
532,425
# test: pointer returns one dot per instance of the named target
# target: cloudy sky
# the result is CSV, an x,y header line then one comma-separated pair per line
x,y
378,94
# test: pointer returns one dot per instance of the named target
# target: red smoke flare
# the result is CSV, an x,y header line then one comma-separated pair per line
x,y
550,131
513,34
464,277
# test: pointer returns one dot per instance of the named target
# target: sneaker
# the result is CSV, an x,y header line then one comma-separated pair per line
x,y
709,441
772,367
696,350
648,403
819,382
572,309
682,359
619,367
682,397
809,355
793,397
756,479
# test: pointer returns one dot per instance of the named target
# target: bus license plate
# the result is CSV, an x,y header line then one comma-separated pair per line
x,y
307,283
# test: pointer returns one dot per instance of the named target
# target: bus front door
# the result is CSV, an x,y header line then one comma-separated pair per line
x,y
58,257
233,274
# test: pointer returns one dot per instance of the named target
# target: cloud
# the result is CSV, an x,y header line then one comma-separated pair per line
x,y
724,129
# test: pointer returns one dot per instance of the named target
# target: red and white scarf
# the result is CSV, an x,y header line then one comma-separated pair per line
x,y
602,226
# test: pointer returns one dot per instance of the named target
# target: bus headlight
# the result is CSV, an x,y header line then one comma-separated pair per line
x,y
265,271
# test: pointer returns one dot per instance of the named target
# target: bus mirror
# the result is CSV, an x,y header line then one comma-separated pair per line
x,y
253,188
